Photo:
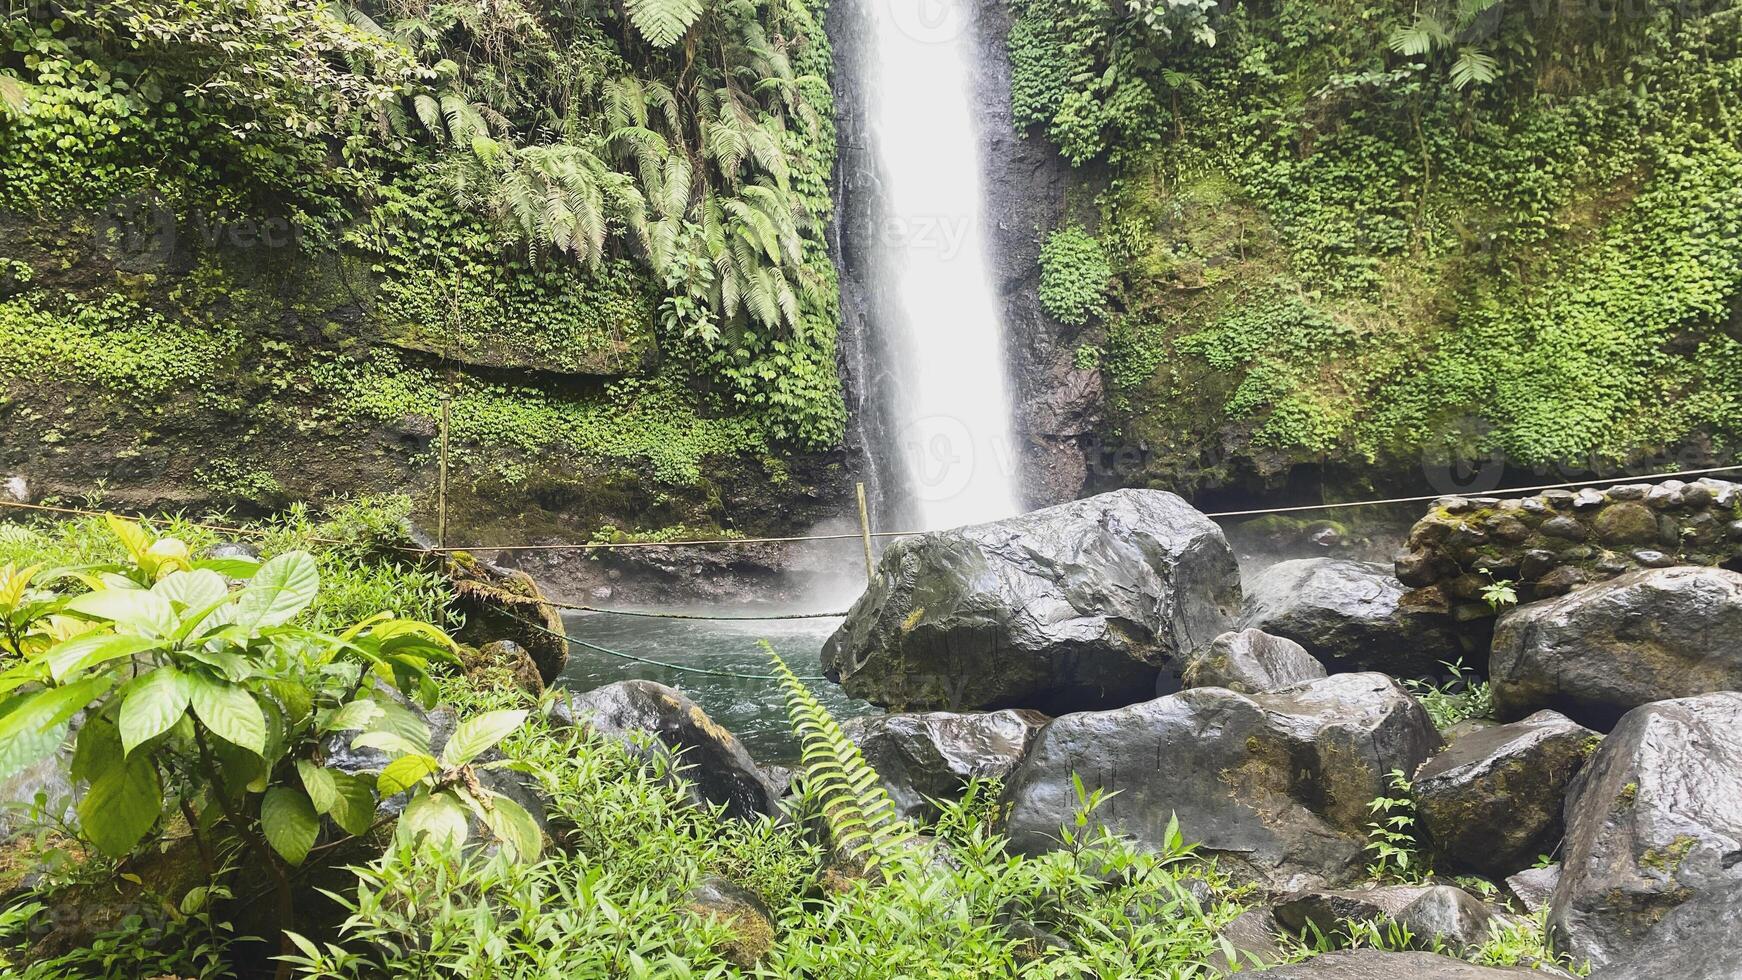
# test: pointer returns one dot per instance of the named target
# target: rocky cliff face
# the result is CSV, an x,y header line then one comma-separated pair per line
x,y
1030,190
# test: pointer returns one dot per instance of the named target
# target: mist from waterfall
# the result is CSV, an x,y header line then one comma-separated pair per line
x,y
951,409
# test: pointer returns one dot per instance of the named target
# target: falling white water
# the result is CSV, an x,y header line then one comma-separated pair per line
x,y
952,414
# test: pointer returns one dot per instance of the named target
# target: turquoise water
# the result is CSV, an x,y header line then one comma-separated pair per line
x,y
752,709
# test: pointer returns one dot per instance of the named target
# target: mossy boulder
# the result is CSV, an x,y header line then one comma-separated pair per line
x,y
1251,662
744,915
1276,786
1654,820
504,603
930,756
1492,801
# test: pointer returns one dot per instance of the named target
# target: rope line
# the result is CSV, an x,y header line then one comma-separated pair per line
x,y
696,616
652,663
702,542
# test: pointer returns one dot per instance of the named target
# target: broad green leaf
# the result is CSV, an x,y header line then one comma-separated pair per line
x,y
353,717
404,772
514,827
354,805
391,742
92,650
283,588
289,822
152,707
124,798
137,609
230,712
36,723
229,567
192,590
405,723
438,817
475,736
132,536
323,791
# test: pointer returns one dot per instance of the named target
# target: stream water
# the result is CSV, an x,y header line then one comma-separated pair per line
x,y
750,708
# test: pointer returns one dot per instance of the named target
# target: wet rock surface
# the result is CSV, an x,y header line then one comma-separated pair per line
x,y
1701,939
1534,887
1251,661
1492,801
932,755
1654,820
1276,786
1351,616
1369,964
716,766
1078,606
1649,635
1431,913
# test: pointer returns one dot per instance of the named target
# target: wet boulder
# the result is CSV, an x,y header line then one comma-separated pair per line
x,y
1534,887
1078,606
1432,914
1256,939
1700,939
1352,616
1599,651
748,923
1251,662
717,767
1372,964
1275,786
503,661
932,755
1654,819
500,603
1492,801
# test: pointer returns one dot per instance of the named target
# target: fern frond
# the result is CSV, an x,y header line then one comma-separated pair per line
x,y
857,810
663,22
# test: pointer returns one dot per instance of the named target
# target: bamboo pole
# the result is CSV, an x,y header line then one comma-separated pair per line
x,y
865,531
442,483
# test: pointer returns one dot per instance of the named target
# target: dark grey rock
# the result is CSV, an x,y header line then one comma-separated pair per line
x,y
1430,913
716,766
1076,606
933,755
1535,887
1371,964
1597,652
1256,939
1492,801
1251,662
1654,819
1469,726
1350,616
1700,940
1276,786
1566,528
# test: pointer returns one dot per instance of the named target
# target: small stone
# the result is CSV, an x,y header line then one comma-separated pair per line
x,y
1652,559
1533,505
1252,662
1416,568
601,593
1626,523
1629,491
1454,505
1665,495
16,489
1561,581
1696,495
1559,499
1537,562
1509,529
1588,498
1734,530
1564,527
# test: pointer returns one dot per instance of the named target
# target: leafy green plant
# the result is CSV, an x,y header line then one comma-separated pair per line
x,y
1391,835
1500,595
1462,696
862,822
1073,275
201,701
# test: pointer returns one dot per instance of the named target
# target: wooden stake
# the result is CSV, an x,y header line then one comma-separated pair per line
x,y
442,483
865,531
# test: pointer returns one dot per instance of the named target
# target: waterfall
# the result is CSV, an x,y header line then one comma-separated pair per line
x,y
926,271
